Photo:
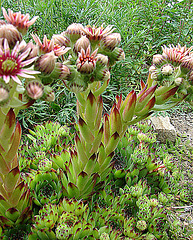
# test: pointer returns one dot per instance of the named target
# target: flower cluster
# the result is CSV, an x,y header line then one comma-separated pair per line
x,y
78,56
174,67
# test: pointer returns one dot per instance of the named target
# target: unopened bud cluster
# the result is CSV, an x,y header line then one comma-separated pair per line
x,y
174,68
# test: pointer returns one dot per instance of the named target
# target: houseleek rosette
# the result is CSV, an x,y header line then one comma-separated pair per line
x,y
45,187
44,223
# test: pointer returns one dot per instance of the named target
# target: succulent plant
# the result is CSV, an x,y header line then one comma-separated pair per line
x,y
45,187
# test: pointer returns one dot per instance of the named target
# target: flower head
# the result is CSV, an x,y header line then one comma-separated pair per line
x,y
9,32
20,21
82,42
86,62
61,40
46,63
34,89
49,46
12,63
111,41
94,33
176,54
74,31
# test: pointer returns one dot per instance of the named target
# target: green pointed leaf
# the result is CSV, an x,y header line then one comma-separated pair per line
x,y
4,169
11,179
73,190
90,164
4,205
17,193
85,131
82,180
112,144
12,214
15,144
5,221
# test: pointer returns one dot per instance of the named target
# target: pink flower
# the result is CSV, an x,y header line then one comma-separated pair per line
x,y
12,63
94,33
176,54
20,21
49,46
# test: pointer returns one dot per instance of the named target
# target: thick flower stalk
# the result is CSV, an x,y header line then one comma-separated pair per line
x,y
14,193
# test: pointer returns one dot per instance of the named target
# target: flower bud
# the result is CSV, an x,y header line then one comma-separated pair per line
x,y
60,71
102,60
11,33
74,31
152,69
46,63
153,202
86,62
182,93
48,94
167,69
158,59
61,40
45,164
162,197
104,236
4,94
178,81
154,76
83,43
65,71
116,55
34,89
102,75
63,231
76,84
111,41
20,89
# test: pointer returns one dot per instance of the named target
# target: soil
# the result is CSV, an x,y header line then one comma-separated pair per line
x,y
183,212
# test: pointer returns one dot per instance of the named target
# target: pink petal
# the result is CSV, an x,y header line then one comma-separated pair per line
x,y
37,40
6,48
32,21
24,55
15,50
27,62
11,17
30,71
25,75
5,14
18,17
16,79
6,78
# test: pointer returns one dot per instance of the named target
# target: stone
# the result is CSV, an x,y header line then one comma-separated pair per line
x,y
164,129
